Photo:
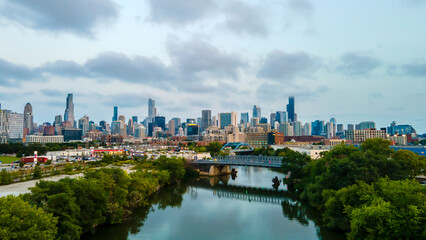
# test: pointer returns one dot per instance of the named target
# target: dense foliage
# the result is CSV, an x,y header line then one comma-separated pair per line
x,y
214,148
72,207
367,191
20,220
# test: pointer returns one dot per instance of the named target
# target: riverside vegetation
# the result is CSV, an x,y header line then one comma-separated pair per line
x,y
369,192
70,207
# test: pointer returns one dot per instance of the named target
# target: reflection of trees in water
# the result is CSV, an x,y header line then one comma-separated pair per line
x,y
169,196
295,209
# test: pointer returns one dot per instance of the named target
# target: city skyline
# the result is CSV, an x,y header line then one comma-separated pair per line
x,y
190,57
151,102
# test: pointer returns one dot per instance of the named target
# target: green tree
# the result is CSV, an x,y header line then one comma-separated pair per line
x,y
295,162
176,166
214,148
37,173
5,177
19,220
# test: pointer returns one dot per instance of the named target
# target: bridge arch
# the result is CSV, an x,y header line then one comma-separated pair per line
x,y
236,145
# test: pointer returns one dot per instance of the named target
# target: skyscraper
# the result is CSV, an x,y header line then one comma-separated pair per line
x,y
244,117
206,119
151,109
28,118
160,122
115,116
69,110
256,112
290,109
281,116
226,119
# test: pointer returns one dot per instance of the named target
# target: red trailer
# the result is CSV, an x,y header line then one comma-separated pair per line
x,y
31,159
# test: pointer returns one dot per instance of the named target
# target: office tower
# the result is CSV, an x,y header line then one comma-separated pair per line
x,y
214,121
318,128
130,127
330,129
255,121
69,110
367,125
307,129
351,127
263,120
116,127
339,127
172,127
226,119
206,119
83,124
160,122
272,119
115,116
297,128
281,116
291,110
58,120
135,119
177,123
151,109
244,117
256,112
28,118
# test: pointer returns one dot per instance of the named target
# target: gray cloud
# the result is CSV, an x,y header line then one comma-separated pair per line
x,y
303,7
195,58
137,69
64,68
415,69
245,20
175,12
272,92
76,16
357,63
10,72
279,65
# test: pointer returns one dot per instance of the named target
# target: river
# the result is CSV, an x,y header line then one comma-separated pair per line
x,y
246,207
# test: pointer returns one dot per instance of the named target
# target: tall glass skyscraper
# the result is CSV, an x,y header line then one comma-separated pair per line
x,y
206,119
151,108
245,117
69,110
290,109
115,116
256,112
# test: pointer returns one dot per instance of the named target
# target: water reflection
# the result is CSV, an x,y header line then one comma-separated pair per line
x,y
196,209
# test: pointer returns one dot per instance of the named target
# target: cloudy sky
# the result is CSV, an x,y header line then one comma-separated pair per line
x,y
352,60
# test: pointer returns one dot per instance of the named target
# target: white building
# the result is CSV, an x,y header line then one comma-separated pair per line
x,y
44,139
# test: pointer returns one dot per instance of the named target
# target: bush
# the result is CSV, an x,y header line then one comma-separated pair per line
x,y
37,173
5,177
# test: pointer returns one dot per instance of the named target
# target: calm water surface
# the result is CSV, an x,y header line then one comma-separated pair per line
x,y
246,207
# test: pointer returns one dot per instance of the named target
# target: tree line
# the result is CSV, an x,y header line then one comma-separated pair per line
x,y
70,207
369,192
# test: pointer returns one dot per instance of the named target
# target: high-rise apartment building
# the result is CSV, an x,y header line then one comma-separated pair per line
x,y
286,128
226,119
28,118
256,112
272,119
69,110
291,109
307,129
83,124
297,128
206,119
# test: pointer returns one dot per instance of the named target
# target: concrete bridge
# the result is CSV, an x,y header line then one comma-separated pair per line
x,y
221,165
244,160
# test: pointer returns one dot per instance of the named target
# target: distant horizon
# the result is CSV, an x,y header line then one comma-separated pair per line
x,y
352,60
